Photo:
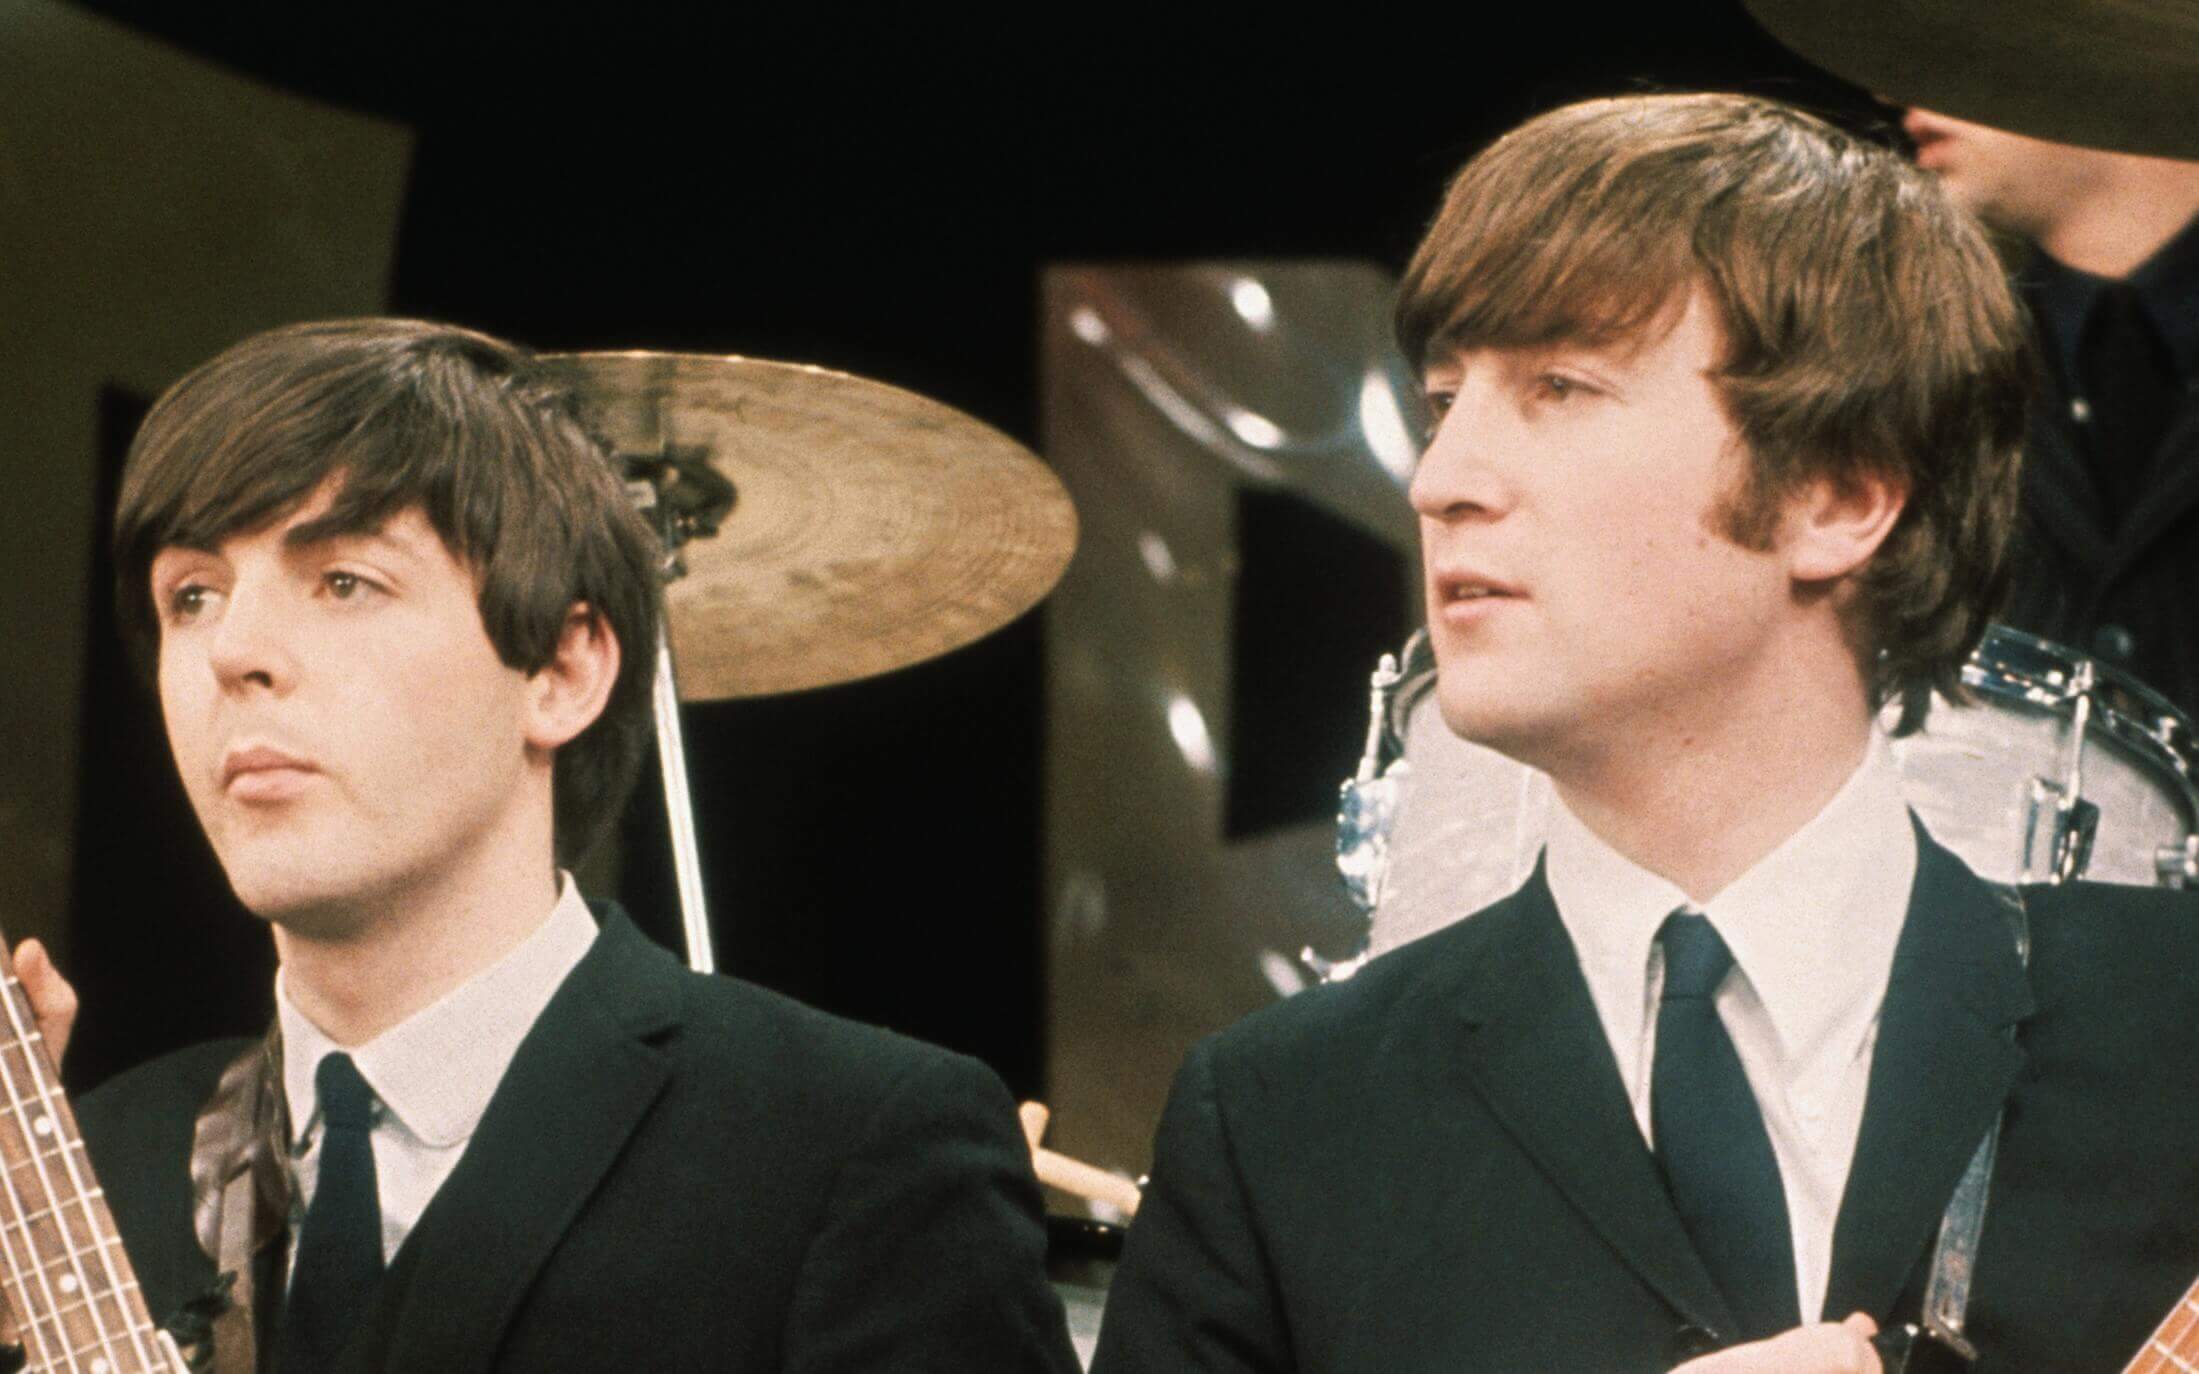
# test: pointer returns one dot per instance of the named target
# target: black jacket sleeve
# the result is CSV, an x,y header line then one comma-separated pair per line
x,y
932,1254
1195,1294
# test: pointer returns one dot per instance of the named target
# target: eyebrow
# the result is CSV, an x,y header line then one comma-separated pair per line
x,y
308,534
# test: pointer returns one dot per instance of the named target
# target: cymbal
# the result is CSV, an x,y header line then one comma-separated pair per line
x,y
871,528
2116,74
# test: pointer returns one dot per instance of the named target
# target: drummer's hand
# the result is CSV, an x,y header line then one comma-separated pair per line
x,y
1827,1348
52,1000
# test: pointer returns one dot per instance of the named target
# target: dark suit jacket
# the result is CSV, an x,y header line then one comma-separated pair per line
x,y
2128,594
1434,1166
676,1173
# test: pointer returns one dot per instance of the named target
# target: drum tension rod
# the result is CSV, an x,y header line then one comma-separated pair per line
x,y
2075,820
2177,865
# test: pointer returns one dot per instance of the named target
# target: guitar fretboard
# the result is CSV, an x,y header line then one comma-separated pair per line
x,y
76,1303
2174,1345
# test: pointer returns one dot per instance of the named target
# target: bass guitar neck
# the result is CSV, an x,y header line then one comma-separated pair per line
x,y
68,1282
2173,1348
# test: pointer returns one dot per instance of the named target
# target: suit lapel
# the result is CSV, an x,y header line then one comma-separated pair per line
x,y
2171,490
1537,1055
2059,494
581,1082
1944,1063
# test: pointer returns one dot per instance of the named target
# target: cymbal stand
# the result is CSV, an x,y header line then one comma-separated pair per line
x,y
684,498
679,810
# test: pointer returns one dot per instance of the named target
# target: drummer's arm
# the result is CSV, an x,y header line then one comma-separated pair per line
x,y
1193,1294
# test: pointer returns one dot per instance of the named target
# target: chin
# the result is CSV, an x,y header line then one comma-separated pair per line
x,y
309,900
1500,725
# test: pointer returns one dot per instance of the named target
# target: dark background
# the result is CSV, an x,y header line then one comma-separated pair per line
x,y
877,193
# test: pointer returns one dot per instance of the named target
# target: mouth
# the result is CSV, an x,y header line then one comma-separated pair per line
x,y
1466,593
262,772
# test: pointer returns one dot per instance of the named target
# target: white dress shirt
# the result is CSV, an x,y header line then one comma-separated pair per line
x,y
432,1073
1812,928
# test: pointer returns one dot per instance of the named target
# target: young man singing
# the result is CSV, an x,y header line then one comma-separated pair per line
x,y
1727,413
403,618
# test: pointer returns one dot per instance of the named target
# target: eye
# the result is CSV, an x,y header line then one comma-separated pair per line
x,y
1439,405
1556,386
187,601
346,586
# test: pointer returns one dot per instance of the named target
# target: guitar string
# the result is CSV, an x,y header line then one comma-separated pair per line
x,y
56,1209
72,1147
22,1271
2162,1349
2182,1343
104,1238
35,1267
2188,1309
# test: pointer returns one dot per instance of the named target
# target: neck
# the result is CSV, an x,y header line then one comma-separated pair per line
x,y
2133,207
401,950
1700,803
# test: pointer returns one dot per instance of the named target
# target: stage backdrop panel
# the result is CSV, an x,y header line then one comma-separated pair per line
x,y
1238,437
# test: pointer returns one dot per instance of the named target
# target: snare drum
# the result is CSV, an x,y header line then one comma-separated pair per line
x,y
2061,769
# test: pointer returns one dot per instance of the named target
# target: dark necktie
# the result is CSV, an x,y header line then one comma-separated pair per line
x,y
2129,387
1717,1160
340,1245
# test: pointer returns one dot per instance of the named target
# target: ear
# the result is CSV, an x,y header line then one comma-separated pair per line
x,y
565,695
1834,525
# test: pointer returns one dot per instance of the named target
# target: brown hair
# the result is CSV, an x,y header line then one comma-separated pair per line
x,y
1869,327
415,414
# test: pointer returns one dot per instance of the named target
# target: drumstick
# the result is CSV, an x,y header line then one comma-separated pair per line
x,y
1034,1117
1074,1176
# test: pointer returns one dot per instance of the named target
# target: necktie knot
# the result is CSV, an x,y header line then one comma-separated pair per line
x,y
1696,960
347,1103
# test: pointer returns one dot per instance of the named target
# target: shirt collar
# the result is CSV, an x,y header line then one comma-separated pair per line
x,y
2167,284
436,1070
1812,925
1815,922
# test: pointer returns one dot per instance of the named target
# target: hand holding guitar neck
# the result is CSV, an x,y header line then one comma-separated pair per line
x,y
74,1302
53,1002
52,998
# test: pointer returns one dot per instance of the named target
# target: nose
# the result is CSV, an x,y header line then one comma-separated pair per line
x,y
248,647
1458,478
